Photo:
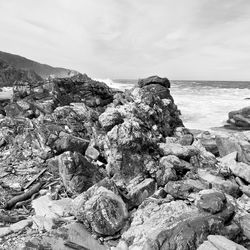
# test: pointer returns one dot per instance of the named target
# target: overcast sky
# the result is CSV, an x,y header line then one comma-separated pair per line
x,y
180,39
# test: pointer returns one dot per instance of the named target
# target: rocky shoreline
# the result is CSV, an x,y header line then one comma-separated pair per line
x,y
84,166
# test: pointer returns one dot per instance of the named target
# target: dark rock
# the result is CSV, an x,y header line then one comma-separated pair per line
x,y
185,137
77,173
208,141
183,188
240,118
137,193
211,201
154,80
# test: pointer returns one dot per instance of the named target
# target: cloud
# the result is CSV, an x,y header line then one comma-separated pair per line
x,y
195,39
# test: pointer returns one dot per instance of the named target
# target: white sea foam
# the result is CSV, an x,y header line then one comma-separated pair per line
x,y
115,84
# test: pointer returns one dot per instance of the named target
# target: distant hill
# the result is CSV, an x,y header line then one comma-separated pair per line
x,y
9,74
42,70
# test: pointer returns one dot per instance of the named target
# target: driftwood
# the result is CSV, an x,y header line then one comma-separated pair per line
x,y
74,246
22,197
34,179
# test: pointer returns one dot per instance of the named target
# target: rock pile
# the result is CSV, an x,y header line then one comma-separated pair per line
x,y
130,172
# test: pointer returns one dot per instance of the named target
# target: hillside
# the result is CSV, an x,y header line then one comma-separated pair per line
x,y
42,70
9,74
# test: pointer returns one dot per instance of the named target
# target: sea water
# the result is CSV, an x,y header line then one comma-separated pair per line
x,y
203,104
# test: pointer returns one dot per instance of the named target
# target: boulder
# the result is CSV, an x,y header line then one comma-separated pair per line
x,y
185,137
173,225
238,142
154,80
137,193
183,152
245,225
218,182
77,173
183,188
208,140
101,210
240,118
211,201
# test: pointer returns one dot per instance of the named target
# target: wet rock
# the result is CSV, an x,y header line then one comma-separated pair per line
x,y
101,210
211,201
240,118
77,173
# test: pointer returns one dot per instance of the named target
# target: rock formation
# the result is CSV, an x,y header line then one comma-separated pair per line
x,y
130,172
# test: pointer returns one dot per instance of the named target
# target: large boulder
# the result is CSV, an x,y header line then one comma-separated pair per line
x,y
77,173
101,209
173,225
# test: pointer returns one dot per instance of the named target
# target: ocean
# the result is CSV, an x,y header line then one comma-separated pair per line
x,y
203,104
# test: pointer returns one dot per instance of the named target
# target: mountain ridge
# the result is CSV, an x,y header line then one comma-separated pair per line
x,y
43,70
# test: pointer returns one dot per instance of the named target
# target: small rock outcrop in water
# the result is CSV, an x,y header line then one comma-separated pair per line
x,y
240,118
123,165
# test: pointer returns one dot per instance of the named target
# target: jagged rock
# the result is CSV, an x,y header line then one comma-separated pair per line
x,y
101,210
218,182
154,80
67,142
77,173
245,225
137,193
92,153
211,201
173,225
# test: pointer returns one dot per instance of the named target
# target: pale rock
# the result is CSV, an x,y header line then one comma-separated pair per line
x,y
222,243
20,225
5,231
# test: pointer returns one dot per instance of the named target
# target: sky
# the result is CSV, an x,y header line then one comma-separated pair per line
x,y
178,39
